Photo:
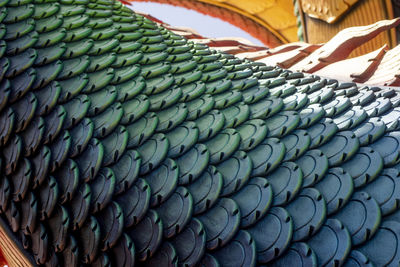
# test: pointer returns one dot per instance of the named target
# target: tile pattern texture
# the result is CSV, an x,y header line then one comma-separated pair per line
x,y
122,144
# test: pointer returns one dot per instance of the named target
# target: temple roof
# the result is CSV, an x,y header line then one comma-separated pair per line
x,y
124,143
273,22
285,21
332,59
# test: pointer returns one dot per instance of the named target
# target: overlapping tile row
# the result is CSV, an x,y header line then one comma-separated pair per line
x,y
123,144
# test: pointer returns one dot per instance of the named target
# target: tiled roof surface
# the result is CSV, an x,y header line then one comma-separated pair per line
x,y
123,143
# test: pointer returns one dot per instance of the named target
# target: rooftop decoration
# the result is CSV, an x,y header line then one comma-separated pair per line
x,y
327,10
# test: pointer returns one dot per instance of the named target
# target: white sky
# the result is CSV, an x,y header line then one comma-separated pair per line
x,y
206,26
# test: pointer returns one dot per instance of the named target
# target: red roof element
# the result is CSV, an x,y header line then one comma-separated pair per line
x,y
388,71
2,260
357,69
289,58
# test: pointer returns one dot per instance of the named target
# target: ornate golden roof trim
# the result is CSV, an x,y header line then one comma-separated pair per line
x,y
327,10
